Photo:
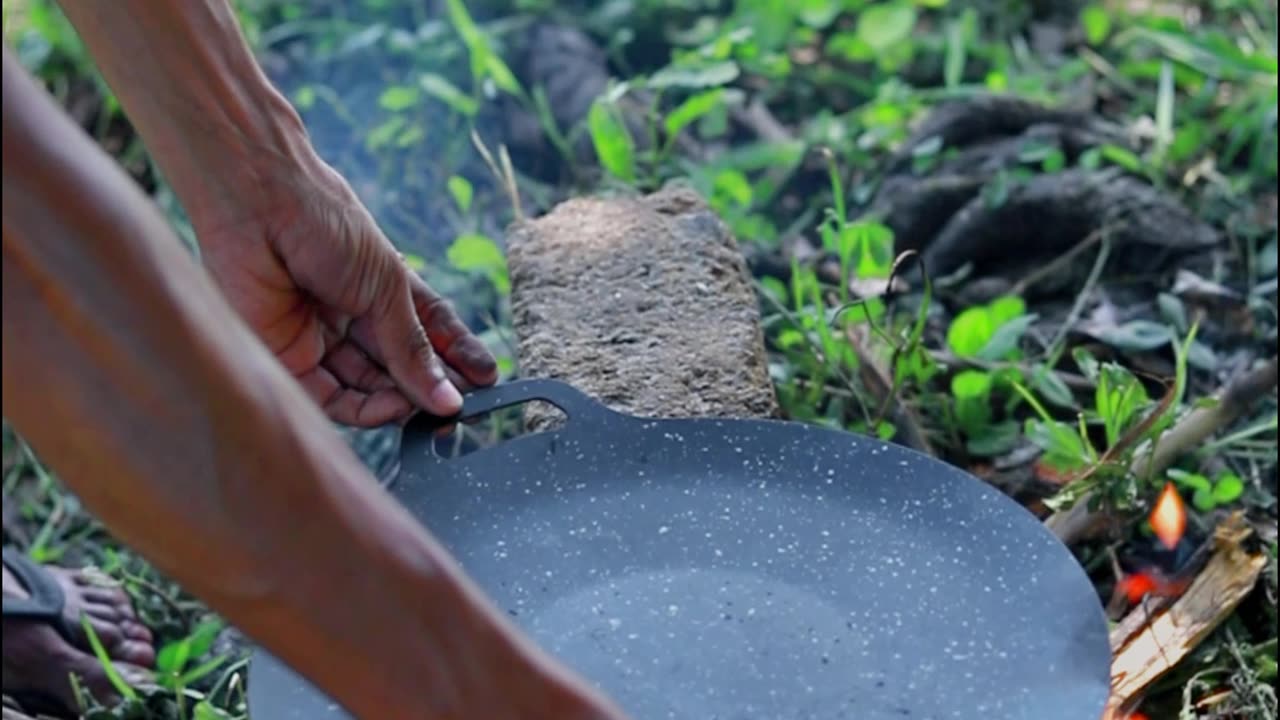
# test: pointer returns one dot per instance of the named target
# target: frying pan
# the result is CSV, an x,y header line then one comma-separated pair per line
x,y
703,569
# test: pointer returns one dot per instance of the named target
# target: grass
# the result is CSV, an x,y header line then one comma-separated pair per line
x,y
785,116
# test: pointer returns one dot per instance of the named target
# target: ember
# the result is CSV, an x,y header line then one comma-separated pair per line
x,y
1153,583
1169,517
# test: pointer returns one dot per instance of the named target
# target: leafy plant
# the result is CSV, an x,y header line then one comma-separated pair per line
x,y
1208,494
991,331
612,141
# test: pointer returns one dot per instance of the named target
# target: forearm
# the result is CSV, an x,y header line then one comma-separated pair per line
x,y
191,87
128,372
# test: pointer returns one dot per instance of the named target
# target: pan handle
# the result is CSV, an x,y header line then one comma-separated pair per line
x,y
575,404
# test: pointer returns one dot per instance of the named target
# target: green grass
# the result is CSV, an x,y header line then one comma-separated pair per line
x,y
783,115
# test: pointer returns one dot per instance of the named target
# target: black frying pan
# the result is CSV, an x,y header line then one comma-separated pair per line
x,y
752,569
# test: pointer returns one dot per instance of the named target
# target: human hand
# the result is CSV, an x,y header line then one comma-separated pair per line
x,y
305,265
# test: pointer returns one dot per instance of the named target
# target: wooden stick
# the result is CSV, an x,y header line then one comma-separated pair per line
x,y
1147,644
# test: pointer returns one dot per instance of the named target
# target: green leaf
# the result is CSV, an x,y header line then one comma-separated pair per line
x,y
1201,356
415,262
1064,450
384,134
1122,157
1228,489
1054,161
960,32
410,136
1005,308
501,75
204,710
1004,341
885,25
441,89
173,657
304,98
994,439
850,47
1173,310
398,97
612,142
695,75
472,252
1052,388
1203,500
484,61
203,637
972,389
1193,481
460,189
691,109
733,187
818,13
970,331
1137,336
969,384
873,248
1087,363
1096,22
1164,109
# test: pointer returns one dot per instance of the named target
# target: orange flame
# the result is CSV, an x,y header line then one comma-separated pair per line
x,y
1169,517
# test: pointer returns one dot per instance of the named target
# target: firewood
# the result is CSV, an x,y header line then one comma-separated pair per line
x,y
1152,640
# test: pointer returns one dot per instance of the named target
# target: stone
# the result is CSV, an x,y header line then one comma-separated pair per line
x,y
644,303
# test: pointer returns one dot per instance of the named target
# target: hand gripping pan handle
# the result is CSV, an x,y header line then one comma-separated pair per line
x,y
577,406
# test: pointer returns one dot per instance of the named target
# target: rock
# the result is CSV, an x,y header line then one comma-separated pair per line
x,y
645,304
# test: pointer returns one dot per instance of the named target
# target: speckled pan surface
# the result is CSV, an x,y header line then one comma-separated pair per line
x,y
742,570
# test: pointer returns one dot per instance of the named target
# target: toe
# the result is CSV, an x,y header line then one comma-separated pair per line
x,y
106,596
101,611
134,652
108,632
135,630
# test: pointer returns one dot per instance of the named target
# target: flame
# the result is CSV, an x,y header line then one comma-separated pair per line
x,y
1169,517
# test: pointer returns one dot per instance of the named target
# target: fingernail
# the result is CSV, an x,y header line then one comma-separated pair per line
x,y
445,398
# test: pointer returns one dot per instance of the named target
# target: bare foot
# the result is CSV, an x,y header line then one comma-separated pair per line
x,y
39,659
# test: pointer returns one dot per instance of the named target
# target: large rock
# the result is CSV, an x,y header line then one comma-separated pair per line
x,y
644,303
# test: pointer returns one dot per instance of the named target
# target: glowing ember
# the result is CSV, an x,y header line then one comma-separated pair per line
x,y
1169,517
1141,584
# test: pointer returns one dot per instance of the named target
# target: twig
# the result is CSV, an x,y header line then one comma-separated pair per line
x,y
1203,421
1056,264
504,174
878,380
756,115
1104,252
1241,394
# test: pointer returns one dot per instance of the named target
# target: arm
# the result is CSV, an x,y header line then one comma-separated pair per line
x,y
298,256
129,373
190,85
